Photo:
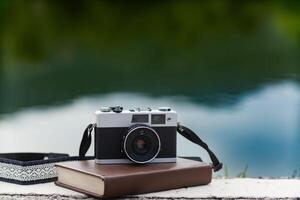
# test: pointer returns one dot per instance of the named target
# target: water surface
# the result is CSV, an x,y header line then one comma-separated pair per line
x,y
261,130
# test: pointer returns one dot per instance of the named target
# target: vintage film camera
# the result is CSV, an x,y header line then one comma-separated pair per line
x,y
135,135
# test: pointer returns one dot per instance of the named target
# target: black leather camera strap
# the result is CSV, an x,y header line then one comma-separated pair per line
x,y
193,137
86,140
182,130
31,158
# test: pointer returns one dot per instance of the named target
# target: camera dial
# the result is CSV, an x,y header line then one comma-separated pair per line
x,y
105,109
117,109
141,144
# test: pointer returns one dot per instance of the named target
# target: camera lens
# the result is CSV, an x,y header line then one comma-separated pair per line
x,y
141,144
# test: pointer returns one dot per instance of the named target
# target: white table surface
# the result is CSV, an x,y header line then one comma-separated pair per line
x,y
219,188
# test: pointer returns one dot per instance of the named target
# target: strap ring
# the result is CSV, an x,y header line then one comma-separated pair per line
x,y
91,127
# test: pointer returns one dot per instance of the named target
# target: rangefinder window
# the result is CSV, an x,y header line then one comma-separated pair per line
x,y
158,119
140,119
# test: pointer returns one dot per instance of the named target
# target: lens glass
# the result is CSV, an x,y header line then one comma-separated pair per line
x,y
142,144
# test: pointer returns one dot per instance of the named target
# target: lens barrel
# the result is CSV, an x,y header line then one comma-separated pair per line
x,y
141,144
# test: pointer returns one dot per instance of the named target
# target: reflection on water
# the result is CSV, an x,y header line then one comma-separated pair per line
x,y
261,130
212,52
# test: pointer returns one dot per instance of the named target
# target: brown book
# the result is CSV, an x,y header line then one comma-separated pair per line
x,y
118,180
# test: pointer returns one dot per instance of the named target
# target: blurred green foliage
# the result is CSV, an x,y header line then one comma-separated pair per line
x,y
243,174
211,51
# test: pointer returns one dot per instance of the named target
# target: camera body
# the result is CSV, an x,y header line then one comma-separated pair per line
x,y
135,135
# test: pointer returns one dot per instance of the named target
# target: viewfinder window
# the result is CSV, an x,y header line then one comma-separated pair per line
x,y
158,119
140,119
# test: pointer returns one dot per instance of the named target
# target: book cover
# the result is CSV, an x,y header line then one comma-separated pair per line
x,y
127,179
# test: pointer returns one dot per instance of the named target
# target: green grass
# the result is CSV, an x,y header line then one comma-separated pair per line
x,y
242,174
